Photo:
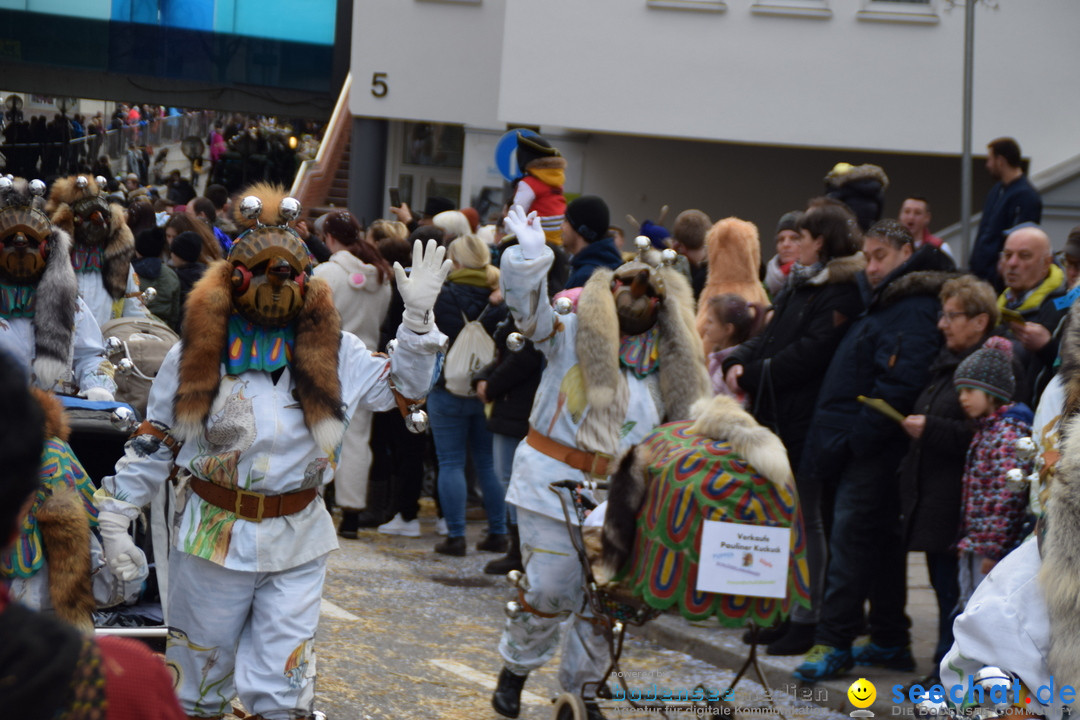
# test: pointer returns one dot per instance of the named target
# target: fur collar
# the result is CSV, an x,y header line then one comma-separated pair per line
x,y
912,284
314,366
840,271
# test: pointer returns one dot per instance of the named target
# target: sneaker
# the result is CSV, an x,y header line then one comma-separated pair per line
x,y
440,527
823,663
400,526
893,657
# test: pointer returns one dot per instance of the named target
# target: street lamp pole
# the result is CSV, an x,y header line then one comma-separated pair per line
x,y
965,168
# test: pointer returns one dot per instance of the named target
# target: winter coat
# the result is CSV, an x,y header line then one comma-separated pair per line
x,y
188,274
886,354
512,379
359,296
153,272
459,302
807,325
931,475
1042,307
993,515
862,189
601,253
1006,207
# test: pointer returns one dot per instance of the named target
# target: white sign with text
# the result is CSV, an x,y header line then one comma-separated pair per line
x,y
737,559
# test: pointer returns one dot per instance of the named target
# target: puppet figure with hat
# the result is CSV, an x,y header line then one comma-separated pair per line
x,y
43,321
250,408
103,247
626,361
540,187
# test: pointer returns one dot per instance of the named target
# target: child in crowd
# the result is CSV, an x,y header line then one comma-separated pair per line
x,y
992,513
730,322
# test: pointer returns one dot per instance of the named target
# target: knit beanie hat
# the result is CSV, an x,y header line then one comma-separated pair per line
x,y
588,216
150,243
988,369
187,246
788,221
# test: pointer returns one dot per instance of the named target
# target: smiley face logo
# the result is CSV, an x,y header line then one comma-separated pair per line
x,y
862,693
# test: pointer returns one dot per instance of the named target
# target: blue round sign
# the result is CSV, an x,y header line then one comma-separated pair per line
x,y
506,153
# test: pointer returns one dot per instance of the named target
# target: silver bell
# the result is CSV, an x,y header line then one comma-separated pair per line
x,y
669,256
416,422
251,207
149,294
113,345
513,609
125,366
81,182
289,209
123,419
6,184
515,341
642,243
1015,482
1025,448
564,306
518,579
37,188
391,346
101,181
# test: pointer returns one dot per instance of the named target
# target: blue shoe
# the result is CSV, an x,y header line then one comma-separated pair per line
x,y
894,657
823,663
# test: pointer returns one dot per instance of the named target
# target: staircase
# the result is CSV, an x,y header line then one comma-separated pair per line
x,y
322,184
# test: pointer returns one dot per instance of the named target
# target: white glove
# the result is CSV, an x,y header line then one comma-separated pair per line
x,y
422,285
527,230
98,394
126,560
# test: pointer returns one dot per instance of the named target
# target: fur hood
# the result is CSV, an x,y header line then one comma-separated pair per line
x,y
734,252
119,248
843,174
840,271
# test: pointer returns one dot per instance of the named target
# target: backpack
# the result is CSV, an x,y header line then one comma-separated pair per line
x,y
146,341
471,350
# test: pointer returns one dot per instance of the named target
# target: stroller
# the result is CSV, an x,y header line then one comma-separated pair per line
x,y
692,473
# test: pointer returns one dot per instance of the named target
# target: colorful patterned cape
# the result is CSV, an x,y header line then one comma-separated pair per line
x,y
58,466
694,478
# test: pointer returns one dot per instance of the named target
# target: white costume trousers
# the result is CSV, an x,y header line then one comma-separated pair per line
x,y
354,467
556,582
243,634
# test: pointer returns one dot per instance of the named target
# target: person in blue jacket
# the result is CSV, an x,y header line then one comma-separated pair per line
x,y
585,236
886,354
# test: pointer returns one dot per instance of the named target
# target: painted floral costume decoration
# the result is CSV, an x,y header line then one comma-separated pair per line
x,y
692,478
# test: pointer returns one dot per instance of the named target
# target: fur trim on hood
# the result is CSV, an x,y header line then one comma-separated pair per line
x,y
843,173
271,196
314,365
119,248
734,262
920,282
840,270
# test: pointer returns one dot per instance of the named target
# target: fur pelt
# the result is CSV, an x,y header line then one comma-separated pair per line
x,y
271,196
627,490
65,531
598,338
314,364
734,261
722,418
56,422
119,248
555,162
684,378
1069,352
840,270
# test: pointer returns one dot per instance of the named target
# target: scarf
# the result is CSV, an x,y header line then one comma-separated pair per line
x,y
17,301
254,347
641,353
87,259
477,277
1035,297
801,274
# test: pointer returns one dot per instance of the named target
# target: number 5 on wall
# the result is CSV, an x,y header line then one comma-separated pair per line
x,y
378,85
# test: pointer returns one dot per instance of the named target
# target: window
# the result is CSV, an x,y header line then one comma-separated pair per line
x,y
921,12
818,9
717,6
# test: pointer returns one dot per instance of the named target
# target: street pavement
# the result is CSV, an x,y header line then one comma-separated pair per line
x,y
407,632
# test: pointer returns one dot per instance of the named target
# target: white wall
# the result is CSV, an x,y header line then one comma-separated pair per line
x,y
622,66
441,60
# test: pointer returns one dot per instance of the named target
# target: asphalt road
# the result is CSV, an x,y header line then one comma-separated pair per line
x,y
406,632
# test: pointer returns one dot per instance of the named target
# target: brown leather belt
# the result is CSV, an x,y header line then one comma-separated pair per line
x,y
596,464
252,506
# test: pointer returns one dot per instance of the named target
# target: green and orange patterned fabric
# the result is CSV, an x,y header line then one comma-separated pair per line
x,y
692,478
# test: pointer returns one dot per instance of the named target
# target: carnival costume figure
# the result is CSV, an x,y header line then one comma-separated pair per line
x,y
628,360
251,407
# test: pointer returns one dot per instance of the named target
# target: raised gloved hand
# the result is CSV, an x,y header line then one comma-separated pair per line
x,y
422,285
527,230
98,394
125,559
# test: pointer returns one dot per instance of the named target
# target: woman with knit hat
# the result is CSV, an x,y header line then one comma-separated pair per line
x,y
993,514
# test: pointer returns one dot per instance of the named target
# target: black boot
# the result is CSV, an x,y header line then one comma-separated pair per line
x,y
507,697
512,559
494,543
798,640
452,546
769,634
350,521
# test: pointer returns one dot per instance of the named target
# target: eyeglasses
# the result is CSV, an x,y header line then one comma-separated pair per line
x,y
948,317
